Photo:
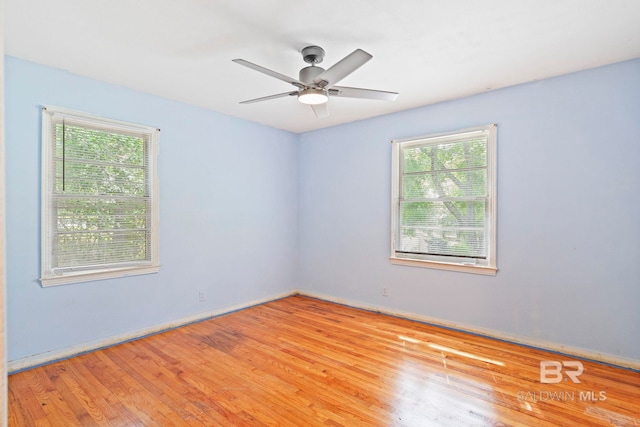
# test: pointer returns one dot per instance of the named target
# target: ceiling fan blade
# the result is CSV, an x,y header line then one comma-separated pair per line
x,y
354,92
269,72
266,98
321,110
342,68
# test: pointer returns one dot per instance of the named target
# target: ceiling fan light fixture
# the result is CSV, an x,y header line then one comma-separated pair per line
x,y
312,96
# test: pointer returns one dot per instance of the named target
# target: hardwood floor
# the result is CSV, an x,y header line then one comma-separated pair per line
x,y
304,362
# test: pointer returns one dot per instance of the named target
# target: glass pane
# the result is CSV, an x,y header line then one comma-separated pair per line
x,y
443,214
463,154
443,242
450,184
443,228
73,177
100,200
89,161
471,153
99,214
95,248
95,145
441,182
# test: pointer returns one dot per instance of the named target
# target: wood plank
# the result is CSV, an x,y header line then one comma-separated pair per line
x,y
301,361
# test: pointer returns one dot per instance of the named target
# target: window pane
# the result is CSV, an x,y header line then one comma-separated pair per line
x,y
470,153
450,184
96,162
443,197
100,231
96,248
443,242
443,214
443,228
465,154
99,145
100,214
73,177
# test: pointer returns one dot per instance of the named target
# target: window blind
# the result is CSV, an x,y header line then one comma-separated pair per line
x,y
443,196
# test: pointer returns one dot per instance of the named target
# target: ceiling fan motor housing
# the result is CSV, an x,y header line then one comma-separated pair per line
x,y
307,74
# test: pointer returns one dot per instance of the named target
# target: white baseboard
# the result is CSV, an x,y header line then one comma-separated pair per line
x,y
17,365
490,333
54,355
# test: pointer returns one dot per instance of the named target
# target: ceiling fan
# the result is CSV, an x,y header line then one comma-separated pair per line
x,y
315,84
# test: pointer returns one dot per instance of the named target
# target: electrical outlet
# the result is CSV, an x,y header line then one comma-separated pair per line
x,y
201,296
385,292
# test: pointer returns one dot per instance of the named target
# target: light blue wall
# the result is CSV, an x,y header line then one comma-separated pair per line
x,y
228,196
248,211
568,213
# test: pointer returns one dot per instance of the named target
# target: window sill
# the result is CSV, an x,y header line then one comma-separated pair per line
x,y
474,269
96,275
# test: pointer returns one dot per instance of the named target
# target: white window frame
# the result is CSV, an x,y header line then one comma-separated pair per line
x,y
487,266
49,275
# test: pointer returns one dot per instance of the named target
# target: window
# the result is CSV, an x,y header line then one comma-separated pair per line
x,y
99,198
444,201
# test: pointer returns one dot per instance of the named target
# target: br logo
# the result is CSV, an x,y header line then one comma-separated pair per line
x,y
551,372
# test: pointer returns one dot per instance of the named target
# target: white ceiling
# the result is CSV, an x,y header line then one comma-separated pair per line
x,y
428,50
